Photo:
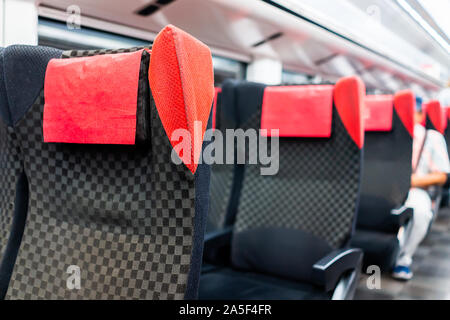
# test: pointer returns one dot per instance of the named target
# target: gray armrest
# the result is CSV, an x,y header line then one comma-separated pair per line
x,y
401,216
328,271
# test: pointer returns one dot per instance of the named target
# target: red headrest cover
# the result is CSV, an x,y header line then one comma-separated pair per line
x,y
404,102
182,83
437,115
86,100
298,111
349,98
378,113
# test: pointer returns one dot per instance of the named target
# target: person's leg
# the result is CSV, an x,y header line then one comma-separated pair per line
x,y
419,200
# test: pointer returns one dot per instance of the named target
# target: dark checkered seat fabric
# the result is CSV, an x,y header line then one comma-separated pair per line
x,y
129,217
287,222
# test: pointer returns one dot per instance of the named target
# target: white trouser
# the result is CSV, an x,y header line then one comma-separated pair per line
x,y
420,201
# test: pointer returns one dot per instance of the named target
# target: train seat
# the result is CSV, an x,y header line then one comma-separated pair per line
x,y
105,212
292,229
382,220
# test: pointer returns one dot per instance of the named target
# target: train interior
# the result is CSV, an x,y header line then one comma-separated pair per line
x,y
320,194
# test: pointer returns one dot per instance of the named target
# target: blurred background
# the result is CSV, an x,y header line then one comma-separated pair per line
x,y
391,44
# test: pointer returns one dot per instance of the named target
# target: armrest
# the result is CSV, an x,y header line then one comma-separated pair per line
x,y
328,271
400,216
217,246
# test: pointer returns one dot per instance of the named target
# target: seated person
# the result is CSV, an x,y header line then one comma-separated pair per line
x,y
430,169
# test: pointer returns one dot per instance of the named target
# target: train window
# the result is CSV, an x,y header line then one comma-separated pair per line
x,y
225,68
56,34
291,77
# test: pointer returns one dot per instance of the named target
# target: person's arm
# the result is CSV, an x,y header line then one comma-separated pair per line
x,y
432,179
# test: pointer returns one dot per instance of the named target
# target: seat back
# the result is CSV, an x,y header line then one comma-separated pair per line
x,y
226,178
113,210
389,126
436,118
287,222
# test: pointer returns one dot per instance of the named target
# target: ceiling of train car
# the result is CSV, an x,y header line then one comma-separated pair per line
x,y
387,13
250,29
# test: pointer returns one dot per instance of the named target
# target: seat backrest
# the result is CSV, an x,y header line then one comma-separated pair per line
x,y
436,118
226,178
286,222
113,209
389,125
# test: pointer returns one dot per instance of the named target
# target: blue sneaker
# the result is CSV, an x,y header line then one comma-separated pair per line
x,y
402,273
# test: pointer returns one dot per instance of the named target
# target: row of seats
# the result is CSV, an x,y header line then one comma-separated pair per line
x,y
90,189
267,234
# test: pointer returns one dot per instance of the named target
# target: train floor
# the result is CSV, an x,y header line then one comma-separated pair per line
x,y
431,269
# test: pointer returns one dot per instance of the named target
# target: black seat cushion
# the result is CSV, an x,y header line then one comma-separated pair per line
x,y
229,284
380,248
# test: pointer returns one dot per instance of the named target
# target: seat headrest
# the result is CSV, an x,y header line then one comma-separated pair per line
x,y
92,100
306,111
298,111
436,116
378,113
349,99
404,102
182,83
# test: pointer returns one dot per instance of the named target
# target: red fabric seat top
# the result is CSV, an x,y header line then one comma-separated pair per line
x,y
437,115
378,113
86,100
298,111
